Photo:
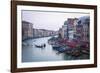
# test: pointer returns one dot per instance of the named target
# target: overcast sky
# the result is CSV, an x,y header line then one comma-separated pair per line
x,y
48,20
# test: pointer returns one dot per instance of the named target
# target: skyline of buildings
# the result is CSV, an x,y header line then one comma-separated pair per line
x,y
72,29
28,31
76,29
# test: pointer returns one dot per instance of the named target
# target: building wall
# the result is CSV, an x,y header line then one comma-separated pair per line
x,y
27,30
43,33
85,22
71,28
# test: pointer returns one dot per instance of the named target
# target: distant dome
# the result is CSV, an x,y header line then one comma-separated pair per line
x,y
84,20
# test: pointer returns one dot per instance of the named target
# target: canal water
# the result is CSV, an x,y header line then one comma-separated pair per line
x,y
31,53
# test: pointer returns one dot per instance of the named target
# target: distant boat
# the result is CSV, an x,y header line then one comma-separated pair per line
x,y
40,46
55,46
52,40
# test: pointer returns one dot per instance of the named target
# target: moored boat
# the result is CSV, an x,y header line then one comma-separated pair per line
x,y
54,46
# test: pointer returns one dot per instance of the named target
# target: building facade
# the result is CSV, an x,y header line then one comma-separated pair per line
x,y
27,30
82,29
76,29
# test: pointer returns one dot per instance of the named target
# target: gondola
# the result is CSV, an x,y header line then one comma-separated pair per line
x,y
40,46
